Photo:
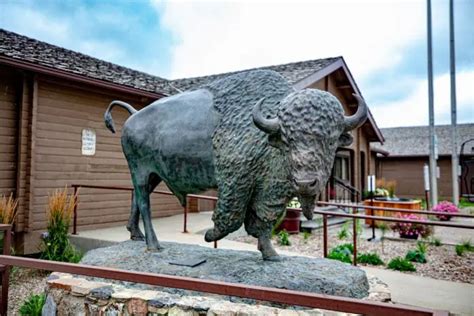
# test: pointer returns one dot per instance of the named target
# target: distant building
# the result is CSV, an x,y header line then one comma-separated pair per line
x,y
406,151
52,134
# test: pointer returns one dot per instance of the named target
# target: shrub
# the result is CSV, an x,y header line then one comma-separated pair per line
x,y
422,247
284,238
460,250
419,254
33,305
463,247
370,258
415,256
55,242
342,253
306,235
445,208
464,202
411,229
343,233
401,264
467,244
436,242
8,208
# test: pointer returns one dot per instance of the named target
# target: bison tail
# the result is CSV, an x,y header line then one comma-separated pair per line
x,y
109,121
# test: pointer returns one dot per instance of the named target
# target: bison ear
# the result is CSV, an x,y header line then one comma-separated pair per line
x,y
345,139
275,140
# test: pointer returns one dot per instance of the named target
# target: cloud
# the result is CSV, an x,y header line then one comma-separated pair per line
x,y
121,32
223,36
413,110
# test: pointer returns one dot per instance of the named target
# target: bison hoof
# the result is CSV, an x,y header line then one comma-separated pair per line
x,y
212,235
274,258
137,237
154,249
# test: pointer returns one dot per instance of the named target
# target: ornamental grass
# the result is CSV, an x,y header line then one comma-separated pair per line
x,y
8,209
55,243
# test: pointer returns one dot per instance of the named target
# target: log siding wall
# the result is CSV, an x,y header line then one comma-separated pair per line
x,y
42,119
8,131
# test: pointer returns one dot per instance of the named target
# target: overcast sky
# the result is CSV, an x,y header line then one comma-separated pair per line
x,y
383,42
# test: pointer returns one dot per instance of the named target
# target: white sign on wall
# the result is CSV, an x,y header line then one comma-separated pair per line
x,y
88,142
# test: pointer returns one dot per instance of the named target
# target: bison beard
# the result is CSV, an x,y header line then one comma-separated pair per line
x,y
307,205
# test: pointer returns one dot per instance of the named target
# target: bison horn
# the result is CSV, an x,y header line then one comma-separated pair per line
x,y
269,126
356,120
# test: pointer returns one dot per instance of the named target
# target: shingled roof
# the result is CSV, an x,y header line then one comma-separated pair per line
x,y
414,140
19,47
293,72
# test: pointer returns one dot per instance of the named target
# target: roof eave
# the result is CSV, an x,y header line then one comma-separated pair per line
x,y
76,77
318,75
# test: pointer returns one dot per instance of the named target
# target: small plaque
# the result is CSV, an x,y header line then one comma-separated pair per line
x,y
88,142
190,262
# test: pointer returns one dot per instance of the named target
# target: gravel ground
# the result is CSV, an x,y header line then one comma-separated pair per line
x,y
23,283
443,263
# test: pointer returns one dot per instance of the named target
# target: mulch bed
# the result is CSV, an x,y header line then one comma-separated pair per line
x,y
23,283
443,263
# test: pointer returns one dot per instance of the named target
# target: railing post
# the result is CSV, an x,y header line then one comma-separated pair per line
x,y
325,235
354,237
74,222
7,235
185,228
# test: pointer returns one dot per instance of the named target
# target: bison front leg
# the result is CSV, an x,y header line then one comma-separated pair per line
x,y
262,230
230,211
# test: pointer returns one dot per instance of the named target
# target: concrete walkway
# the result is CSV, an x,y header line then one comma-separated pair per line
x,y
457,298
407,289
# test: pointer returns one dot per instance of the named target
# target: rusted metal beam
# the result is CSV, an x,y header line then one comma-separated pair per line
x,y
325,235
354,238
281,296
74,220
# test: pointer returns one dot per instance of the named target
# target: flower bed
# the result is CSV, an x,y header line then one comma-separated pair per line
x,y
445,208
412,230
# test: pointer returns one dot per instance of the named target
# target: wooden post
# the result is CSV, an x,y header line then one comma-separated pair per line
x,y
215,243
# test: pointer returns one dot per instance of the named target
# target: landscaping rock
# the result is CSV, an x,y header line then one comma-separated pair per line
x,y
49,308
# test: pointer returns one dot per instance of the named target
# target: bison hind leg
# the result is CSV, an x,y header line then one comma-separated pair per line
x,y
143,187
132,226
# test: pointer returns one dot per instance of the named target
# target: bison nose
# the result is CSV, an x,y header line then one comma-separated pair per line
x,y
305,186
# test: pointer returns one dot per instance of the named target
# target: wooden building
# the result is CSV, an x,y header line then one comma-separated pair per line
x,y
406,151
52,134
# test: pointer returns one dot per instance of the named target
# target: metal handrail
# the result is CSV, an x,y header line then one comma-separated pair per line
x,y
352,190
394,209
5,269
259,293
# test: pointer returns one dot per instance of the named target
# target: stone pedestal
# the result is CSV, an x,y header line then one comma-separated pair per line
x,y
314,275
87,296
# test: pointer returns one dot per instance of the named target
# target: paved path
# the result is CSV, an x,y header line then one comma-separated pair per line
x,y
407,289
458,298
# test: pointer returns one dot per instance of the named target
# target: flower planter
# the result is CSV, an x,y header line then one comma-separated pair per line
x,y
291,222
407,236
444,218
